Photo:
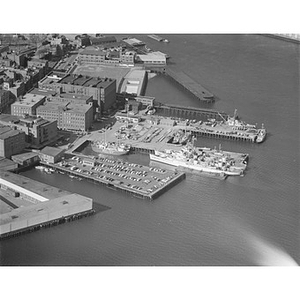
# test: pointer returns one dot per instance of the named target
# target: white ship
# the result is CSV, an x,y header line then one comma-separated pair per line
x,y
204,160
110,148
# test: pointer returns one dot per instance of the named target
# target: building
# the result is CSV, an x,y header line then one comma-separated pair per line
x,y
11,141
103,90
51,154
39,132
27,105
112,56
17,88
26,159
5,100
102,40
152,58
7,164
72,116
134,83
126,117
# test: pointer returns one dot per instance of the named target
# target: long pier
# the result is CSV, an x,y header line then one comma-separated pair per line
x,y
146,182
190,85
190,112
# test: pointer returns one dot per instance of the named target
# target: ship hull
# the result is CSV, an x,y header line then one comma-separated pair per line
x,y
195,167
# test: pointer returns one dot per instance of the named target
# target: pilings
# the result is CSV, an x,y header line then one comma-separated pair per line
x,y
48,224
190,112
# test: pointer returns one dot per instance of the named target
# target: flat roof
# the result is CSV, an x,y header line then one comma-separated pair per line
x,y
45,208
69,107
42,92
92,50
51,151
86,81
5,162
30,186
29,100
8,132
25,155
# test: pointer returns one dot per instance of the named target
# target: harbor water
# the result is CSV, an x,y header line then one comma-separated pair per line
x,y
241,221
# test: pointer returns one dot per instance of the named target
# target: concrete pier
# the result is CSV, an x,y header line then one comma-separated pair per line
x,y
28,205
137,180
190,85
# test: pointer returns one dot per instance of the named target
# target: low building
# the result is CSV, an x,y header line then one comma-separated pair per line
x,y
26,159
11,141
27,105
129,118
7,164
51,154
152,59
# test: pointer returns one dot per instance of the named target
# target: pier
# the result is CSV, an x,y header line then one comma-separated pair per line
x,y
138,180
190,112
190,85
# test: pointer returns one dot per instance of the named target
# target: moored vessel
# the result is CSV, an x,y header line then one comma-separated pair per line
x,y
110,148
204,160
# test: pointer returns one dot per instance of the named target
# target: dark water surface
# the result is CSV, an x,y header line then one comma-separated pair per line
x,y
251,220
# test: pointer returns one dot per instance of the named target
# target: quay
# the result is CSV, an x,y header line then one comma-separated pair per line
x,y
28,205
138,180
190,112
190,85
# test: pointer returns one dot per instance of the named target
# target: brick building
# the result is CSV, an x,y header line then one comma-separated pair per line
x,y
103,90
27,105
11,141
38,131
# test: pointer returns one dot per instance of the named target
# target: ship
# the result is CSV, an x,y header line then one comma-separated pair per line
x,y
204,160
110,148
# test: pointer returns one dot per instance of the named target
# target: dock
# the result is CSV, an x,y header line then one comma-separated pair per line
x,y
189,112
138,180
190,85
28,205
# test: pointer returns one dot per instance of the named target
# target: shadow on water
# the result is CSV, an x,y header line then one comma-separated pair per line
x,y
100,207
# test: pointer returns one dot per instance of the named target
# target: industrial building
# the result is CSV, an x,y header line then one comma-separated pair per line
x,y
39,132
27,105
72,116
51,154
11,141
103,90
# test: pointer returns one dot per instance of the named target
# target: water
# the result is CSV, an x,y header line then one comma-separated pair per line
x,y
251,220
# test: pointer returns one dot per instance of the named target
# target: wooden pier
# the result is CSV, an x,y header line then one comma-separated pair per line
x,y
190,85
190,112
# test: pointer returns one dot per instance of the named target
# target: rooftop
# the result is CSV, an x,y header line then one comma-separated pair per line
x,y
45,208
86,81
29,100
92,50
41,92
6,132
52,151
